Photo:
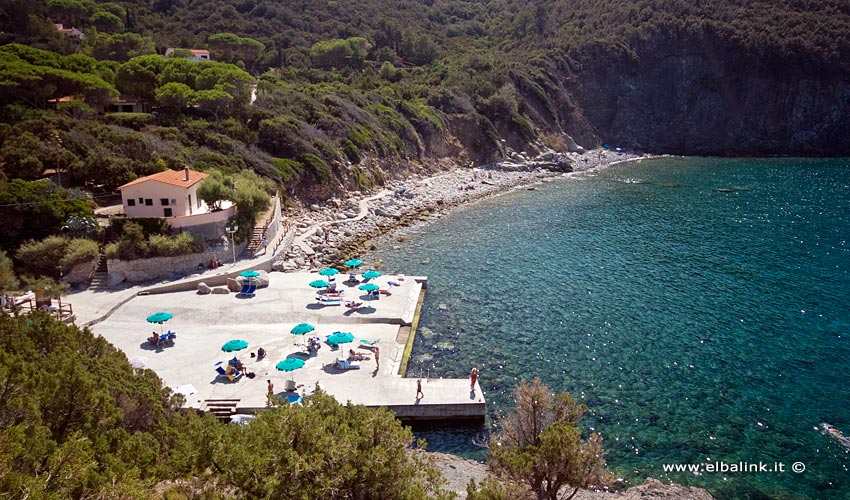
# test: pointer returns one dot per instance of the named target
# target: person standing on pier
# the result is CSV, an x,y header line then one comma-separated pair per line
x,y
377,358
473,377
419,394
270,393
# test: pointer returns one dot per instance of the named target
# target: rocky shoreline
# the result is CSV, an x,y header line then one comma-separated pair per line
x,y
343,228
458,471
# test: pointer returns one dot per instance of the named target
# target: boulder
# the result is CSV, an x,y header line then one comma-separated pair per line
x,y
203,288
220,290
234,285
116,278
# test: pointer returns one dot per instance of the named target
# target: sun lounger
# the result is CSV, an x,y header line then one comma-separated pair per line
x,y
329,302
344,364
369,342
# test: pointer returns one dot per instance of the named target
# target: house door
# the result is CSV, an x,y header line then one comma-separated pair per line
x,y
167,212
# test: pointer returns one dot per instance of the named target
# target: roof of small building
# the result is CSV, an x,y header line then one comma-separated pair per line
x,y
171,177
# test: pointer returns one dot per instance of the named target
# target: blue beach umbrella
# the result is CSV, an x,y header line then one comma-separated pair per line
x,y
250,273
234,345
368,287
354,263
340,338
302,328
319,284
371,274
289,364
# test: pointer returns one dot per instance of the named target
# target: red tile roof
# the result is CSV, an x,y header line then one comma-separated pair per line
x,y
172,177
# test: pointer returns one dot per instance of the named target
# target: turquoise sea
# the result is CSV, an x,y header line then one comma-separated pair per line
x,y
699,307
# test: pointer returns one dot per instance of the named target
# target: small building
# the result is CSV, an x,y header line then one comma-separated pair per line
x,y
73,32
129,104
197,54
172,193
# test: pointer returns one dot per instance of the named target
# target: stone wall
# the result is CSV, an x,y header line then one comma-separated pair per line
x,y
169,268
275,222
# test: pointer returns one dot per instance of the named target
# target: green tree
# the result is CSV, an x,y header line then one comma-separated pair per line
x,y
120,46
540,445
174,96
324,450
139,75
215,189
251,196
337,53
8,279
216,101
106,21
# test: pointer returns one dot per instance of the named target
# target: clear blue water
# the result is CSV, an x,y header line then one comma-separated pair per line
x,y
696,324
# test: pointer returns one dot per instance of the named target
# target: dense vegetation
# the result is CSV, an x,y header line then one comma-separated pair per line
x,y
77,421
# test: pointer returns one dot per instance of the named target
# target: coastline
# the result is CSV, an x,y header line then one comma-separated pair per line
x,y
344,228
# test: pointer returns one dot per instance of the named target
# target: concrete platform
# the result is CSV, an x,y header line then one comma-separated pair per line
x,y
205,322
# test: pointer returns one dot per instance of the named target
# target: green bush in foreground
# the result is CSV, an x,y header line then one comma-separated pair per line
x,y
134,245
54,254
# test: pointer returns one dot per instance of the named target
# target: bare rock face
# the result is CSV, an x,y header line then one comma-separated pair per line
x,y
203,289
458,471
234,285
220,290
116,278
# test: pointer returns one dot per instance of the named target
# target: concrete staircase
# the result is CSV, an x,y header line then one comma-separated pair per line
x,y
256,241
100,277
223,409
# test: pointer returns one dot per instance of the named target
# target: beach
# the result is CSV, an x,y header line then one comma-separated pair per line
x,y
345,226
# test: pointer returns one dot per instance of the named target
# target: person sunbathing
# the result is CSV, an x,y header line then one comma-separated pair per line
x,y
154,338
357,355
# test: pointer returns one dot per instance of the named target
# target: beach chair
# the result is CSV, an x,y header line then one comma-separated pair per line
x,y
248,290
344,364
370,342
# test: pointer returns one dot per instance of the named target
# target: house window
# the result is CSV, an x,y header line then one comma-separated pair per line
x,y
131,202
167,212
141,200
173,201
148,202
190,204
164,201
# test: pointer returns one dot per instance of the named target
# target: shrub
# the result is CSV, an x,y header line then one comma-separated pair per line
x,y
135,121
54,254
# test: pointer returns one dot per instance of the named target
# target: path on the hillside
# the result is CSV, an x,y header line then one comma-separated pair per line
x,y
363,210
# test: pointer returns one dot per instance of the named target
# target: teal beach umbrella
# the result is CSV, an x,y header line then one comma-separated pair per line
x,y
234,345
340,338
160,317
368,287
289,364
302,328
354,263
371,274
319,284
250,273
329,271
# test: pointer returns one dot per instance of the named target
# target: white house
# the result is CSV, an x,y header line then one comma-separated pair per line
x,y
197,54
172,193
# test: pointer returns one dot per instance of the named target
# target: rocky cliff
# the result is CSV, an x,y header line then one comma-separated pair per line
x,y
695,96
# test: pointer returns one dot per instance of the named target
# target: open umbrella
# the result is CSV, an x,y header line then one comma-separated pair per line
x,y
329,271
354,263
234,345
368,287
302,328
319,284
250,273
139,362
289,364
160,317
340,338
371,274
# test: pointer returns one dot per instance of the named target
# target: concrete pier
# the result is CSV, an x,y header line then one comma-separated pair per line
x,y
205,322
